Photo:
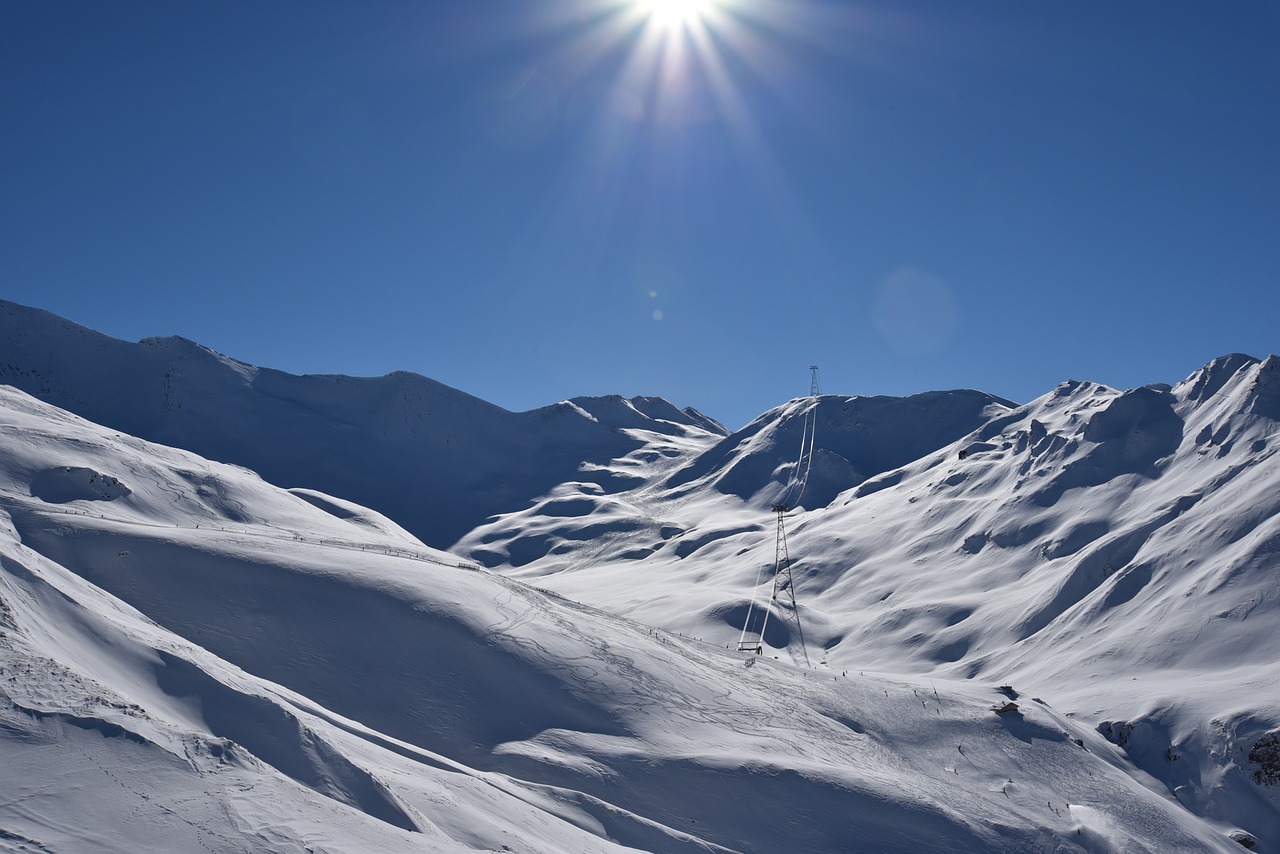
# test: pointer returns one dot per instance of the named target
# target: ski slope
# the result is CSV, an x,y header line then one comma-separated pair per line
x,y
1112,551
1109,552
196,660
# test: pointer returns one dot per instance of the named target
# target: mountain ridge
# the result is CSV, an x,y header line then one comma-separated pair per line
x,y
427,454
1112,551
208,661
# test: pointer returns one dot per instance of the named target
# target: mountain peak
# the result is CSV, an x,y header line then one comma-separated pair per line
x,y
1264,394
645,413
858,437
1210,379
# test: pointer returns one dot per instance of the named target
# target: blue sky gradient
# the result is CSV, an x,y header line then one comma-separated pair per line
x,y
536,199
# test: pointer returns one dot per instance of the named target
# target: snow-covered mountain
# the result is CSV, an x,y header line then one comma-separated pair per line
x,y
195,660
1118,552
1107,556
437,460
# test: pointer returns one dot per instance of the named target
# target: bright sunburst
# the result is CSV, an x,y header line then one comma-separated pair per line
x,y
677,93
675,12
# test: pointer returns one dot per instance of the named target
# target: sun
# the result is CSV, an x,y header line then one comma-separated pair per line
x,y
674,13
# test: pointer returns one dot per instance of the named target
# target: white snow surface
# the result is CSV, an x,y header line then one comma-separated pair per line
x,y
208,662
196,659
436,459
1114,553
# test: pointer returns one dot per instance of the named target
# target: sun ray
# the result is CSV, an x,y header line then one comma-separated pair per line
x,y
681,77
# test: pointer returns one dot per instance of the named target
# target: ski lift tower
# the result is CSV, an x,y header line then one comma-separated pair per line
x,y
784,583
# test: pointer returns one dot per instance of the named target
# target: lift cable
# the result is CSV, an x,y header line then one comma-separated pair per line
x,y
783,581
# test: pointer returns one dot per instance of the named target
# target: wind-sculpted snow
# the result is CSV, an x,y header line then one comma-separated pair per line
x,y
1130,434
175,680
69,483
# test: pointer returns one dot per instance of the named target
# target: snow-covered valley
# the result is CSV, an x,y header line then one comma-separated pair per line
x,y
395,617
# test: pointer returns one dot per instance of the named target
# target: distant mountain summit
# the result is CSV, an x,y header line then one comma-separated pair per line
x,y
855,438
436,459
646,413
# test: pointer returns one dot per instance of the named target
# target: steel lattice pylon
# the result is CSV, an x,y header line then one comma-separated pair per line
x,y
783,582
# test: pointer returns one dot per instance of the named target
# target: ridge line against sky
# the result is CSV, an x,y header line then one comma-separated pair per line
x,y
531,202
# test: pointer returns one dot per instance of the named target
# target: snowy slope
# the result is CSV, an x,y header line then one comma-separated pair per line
x,y
862,437
435,459
1114,552
1111,552
678,478
195,660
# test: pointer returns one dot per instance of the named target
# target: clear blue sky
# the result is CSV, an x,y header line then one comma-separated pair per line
x,y
536,199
